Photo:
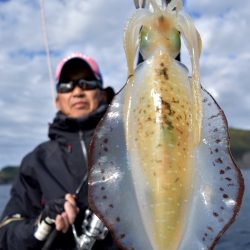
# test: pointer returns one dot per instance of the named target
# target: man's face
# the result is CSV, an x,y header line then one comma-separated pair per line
x,y
78,102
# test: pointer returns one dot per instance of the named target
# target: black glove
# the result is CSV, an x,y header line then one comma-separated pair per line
x,y
46,220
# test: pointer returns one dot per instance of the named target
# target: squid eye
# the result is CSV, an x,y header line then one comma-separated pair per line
x,y
175,40
145,37
147,42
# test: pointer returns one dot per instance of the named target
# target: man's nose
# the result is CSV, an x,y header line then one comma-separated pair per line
x,y
78,91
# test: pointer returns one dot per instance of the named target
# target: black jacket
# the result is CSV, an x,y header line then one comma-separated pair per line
x,y
53,169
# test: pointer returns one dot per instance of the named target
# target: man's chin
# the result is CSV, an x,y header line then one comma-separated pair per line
x,y
79,113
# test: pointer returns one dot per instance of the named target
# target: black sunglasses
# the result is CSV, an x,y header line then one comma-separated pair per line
x,y
65,87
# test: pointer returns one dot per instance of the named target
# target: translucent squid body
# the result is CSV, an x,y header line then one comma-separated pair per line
x,y
162,176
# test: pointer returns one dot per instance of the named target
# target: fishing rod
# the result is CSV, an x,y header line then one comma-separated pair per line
x,y
93,228
47,50
52,236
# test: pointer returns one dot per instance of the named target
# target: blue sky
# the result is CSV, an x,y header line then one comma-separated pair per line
x,y
95,27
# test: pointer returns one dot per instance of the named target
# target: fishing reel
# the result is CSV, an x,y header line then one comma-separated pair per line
x,y
93,229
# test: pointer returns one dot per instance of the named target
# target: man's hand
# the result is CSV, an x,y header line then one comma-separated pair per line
x,y
60,212
68,216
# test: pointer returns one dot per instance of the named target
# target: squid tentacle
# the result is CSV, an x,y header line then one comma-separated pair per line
x,y
175,4
193,42
130,38
139,4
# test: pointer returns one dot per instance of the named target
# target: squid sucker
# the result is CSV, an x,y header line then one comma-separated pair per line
x,y
161,174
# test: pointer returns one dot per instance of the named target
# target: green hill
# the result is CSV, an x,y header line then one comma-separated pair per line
x,y
240,142
7,174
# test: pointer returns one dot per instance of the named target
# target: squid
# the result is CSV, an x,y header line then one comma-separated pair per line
x,y
161,174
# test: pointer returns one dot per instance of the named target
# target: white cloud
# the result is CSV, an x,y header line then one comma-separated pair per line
x,y
215,8
88,26
96,28
224,29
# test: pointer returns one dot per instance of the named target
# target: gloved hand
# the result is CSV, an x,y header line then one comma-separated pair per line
x,y
46,220
60,213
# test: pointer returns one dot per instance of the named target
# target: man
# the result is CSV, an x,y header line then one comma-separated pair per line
x,y
43,196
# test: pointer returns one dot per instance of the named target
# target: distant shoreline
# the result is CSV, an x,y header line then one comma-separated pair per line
x,y
8,174
239,146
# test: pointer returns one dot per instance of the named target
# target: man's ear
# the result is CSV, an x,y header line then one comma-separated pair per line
x,y
57,103
104,96
109,93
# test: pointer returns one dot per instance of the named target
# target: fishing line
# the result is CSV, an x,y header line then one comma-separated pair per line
x,y
47,50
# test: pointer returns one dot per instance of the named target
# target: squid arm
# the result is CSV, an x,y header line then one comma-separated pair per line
x,y
175,4
131,44
193,41
130,38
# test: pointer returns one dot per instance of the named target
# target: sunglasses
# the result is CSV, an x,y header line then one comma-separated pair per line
x,y
66,87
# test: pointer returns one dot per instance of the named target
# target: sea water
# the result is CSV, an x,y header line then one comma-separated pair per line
x,y
4,196
237,237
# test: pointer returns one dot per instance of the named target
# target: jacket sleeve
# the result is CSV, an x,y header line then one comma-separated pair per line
x,y
18,219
